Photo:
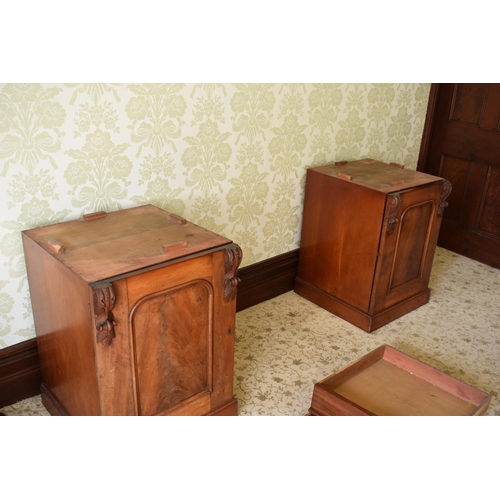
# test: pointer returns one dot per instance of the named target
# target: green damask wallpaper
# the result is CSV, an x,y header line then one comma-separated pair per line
x,y
229,157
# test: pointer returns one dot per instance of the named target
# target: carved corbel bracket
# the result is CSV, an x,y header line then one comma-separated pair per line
x,y
232,260
395,204
104,302
444,194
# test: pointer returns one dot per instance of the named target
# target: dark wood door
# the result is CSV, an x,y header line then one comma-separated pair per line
x,y
462,144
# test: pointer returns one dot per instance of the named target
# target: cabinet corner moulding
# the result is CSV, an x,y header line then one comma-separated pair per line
x,y
232,260
104,302
394,206
444,195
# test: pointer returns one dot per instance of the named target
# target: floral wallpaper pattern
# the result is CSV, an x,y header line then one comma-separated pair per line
x,y
229,157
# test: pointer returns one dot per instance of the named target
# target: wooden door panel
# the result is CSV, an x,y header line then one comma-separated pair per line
x,y
472,143
491,115
410,230
410,253
172,338
468,103
463,146
456,170
489,215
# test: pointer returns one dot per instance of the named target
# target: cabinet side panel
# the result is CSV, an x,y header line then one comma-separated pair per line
x,y
172,335
61,311
340,237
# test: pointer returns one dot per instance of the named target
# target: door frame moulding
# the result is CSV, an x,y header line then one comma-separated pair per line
x,y
428,127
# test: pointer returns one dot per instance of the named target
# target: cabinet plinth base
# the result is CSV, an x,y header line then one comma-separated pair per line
x,y
355,316
229,409
51,404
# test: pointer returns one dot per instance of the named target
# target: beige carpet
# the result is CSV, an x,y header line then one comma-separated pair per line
x,y
285,345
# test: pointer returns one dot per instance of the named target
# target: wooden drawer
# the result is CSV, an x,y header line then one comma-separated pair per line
x,y
388,382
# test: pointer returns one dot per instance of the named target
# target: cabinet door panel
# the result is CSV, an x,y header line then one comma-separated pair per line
x,y
408,264
172,345
407,246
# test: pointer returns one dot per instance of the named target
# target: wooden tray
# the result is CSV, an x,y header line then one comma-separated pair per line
x,y
388,382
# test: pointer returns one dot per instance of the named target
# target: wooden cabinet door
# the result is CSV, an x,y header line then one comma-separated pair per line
x,y
181,325
463,146
172,334
407,245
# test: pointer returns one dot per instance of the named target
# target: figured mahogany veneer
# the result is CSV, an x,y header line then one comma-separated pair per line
x,y
388,382
135,316
369,234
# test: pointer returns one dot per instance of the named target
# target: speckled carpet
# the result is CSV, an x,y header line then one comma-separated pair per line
x,y
285,345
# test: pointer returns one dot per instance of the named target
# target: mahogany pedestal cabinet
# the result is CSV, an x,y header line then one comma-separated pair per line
x,y
134,314
369,235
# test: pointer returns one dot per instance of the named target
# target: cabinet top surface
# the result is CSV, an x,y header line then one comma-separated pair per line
x,y
117,243
377,175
